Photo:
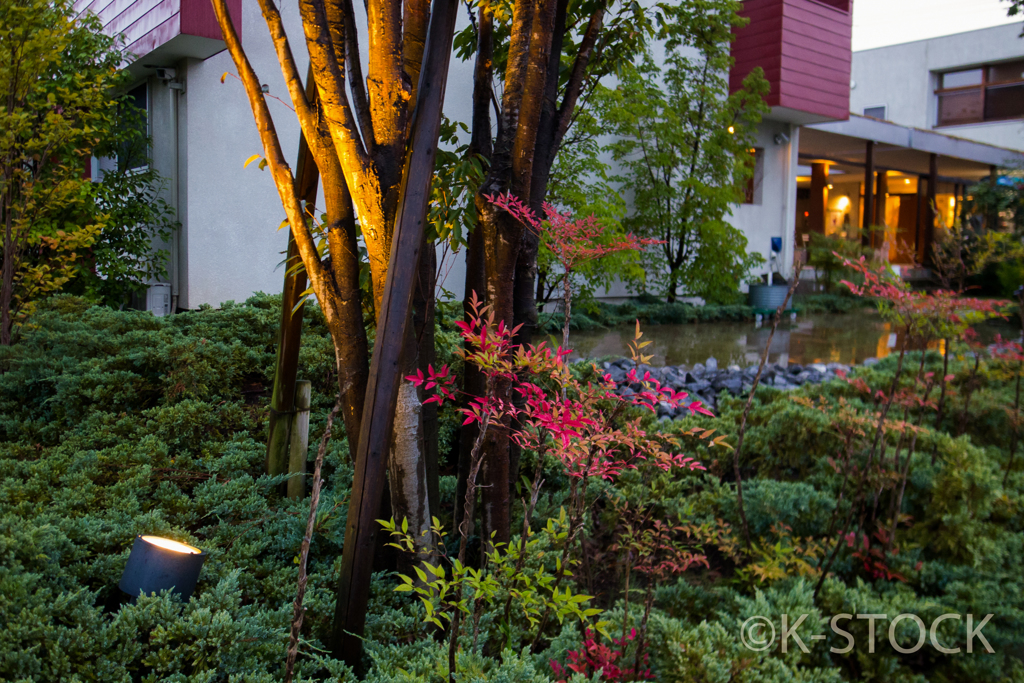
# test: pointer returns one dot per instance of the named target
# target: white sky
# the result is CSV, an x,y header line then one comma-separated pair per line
x,y
887,22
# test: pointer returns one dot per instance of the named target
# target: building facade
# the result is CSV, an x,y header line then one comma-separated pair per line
x,y
968,85
820,168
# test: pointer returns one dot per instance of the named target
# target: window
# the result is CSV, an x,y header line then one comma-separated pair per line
x,y
752,192
993,92
133,149
875,112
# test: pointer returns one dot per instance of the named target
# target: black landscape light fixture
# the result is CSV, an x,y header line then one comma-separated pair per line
x,y
157,564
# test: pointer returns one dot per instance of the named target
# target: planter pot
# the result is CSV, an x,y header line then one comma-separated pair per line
x,y
767,296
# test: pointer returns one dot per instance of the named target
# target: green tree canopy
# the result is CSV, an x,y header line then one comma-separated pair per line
x,y
59,80
684,144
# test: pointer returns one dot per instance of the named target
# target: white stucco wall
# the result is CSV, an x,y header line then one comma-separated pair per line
x,y
903,78
775,215
230,244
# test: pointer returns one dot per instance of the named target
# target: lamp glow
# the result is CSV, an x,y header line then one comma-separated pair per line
x,y
175,546
732,129
843,202
952,201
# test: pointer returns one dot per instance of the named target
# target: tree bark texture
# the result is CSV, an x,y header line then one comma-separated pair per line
x,y
376,160
531,125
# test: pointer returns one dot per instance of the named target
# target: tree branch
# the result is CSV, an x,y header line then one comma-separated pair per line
x,y
272,150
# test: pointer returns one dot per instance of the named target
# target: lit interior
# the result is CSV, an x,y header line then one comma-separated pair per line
x,y
168,544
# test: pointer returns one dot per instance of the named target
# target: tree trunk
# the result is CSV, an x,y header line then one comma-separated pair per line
x,y
473,383
423,320
394,318
407,463
289,337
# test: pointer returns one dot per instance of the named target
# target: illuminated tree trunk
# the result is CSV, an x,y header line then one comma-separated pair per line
x,y
376,160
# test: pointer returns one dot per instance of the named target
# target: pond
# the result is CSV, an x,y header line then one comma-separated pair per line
x,y
824,338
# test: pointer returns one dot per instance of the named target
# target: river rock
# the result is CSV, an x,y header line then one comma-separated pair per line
x,y
697,386
795,369
818,367
711,364
734,385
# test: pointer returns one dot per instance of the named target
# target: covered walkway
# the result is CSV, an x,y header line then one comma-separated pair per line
x,y
878,181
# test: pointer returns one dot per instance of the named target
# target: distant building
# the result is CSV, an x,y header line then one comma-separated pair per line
x,y
968,85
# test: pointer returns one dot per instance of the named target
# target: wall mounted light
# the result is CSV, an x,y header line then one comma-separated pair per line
x,y
843,202
830,186
157,564
952,202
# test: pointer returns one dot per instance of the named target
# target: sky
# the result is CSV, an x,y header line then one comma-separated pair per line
x,y
877,23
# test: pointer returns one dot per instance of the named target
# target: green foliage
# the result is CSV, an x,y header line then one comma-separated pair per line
x,y
114,423
579,181
457,175
124,259
63,232
827,254
685,146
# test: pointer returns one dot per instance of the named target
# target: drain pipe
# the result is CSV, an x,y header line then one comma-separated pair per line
x,y
176,88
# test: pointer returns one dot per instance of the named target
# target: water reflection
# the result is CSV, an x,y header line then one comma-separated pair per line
x,y
827,338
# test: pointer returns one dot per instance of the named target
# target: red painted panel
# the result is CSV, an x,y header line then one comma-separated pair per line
x,y
812,55
808,26
198,18
826,111
812,80
806,58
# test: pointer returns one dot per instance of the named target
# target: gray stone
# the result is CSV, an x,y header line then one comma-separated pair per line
x,y
711,364
795,369
868,362
733,368
734,385
818,367
697,386
698,370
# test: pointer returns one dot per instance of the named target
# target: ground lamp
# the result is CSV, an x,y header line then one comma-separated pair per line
x,y
157,564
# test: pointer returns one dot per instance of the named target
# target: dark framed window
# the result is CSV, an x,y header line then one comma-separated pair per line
x,y
994,92
752,191
133,146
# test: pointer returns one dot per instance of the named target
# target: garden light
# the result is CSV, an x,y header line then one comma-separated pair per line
x,y
157,564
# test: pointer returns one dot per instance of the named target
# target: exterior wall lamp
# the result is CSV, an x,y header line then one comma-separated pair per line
x,y
157,564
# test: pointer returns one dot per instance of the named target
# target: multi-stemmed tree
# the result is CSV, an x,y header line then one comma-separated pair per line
x,y
375,155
